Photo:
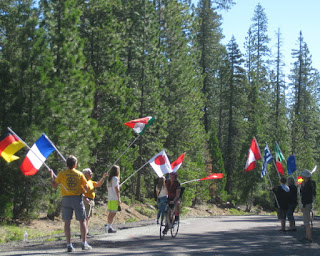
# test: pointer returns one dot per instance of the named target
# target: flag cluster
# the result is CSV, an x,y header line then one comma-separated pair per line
x,y
10,143
254,155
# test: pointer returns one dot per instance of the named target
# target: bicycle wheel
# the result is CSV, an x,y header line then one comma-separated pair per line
x,y
163,225
175,227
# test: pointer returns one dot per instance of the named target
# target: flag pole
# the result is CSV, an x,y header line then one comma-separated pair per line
x,y
35,154
189,181
134,173
123,152
275,197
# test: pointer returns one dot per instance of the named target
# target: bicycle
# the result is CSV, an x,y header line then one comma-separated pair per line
x,y
168,221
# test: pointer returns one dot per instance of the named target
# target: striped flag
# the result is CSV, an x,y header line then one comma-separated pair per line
x,y
9,145
141,124
36,156
266,159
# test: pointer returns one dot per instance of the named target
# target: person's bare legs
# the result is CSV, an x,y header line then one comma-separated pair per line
x,y
83,230
283,224
67,230
308,232
111,217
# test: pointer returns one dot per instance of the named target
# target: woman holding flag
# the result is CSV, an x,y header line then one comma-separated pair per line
x,y
113,196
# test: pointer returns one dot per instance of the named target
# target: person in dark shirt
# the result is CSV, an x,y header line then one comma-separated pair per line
x,y
282,194
307,193
292,203
174,190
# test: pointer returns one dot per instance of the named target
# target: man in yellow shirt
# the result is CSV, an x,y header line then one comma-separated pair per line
x,y
89,195
73,184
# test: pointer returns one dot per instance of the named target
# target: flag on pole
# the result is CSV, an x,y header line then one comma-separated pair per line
x,y
141,124
36,156
213,176
176,164
160,164
266,159
9,145
291,164
279,159
253,155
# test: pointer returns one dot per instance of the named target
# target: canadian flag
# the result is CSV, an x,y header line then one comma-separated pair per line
x,y
253,155
176,164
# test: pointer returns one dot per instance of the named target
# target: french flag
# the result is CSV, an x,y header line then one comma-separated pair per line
x,y
176,164
37,155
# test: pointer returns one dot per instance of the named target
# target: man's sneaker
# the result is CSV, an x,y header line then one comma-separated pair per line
x,y
86,246
176,218
111,230
70,248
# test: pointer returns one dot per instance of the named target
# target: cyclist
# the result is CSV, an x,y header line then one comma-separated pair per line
x,y
174,191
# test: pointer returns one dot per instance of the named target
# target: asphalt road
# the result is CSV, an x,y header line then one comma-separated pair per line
x,y
223,235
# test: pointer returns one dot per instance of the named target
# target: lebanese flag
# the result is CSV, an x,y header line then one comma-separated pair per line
x,y
36,156
141,124
176,164
253,155
213,176
160,164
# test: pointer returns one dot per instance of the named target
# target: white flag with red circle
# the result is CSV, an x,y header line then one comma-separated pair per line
x,y
160,164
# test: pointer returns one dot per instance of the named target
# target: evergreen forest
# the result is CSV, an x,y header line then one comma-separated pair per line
x,y
77,70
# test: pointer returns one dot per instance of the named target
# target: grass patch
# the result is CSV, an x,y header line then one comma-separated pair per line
x,y
237,212
11,233
146,211
131,220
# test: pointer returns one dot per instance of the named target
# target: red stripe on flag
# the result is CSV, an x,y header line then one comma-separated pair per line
x,y
27,167
279,167
7,141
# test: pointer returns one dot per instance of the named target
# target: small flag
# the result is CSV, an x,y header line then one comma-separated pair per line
x,y
213,176
9,145
291,164
300,179
176,164
160,164
266,159
253,155
141,124
279,159
36,156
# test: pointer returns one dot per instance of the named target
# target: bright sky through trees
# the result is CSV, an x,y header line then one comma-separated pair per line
x,y
290,16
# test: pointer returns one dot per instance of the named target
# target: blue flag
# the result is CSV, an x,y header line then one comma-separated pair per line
x,y
266,159
291,164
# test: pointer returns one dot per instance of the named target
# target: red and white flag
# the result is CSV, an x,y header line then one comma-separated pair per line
x,y
253,155
141,124
160,164
176,164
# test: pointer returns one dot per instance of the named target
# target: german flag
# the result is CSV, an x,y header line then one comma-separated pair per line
x,y
10,144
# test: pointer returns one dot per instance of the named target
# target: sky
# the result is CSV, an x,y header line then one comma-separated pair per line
x,y
291,16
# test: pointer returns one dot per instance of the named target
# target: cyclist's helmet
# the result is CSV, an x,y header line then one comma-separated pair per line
x,y
174,174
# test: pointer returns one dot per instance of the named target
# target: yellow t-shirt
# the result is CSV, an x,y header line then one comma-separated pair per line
x,y
72,182
90,191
